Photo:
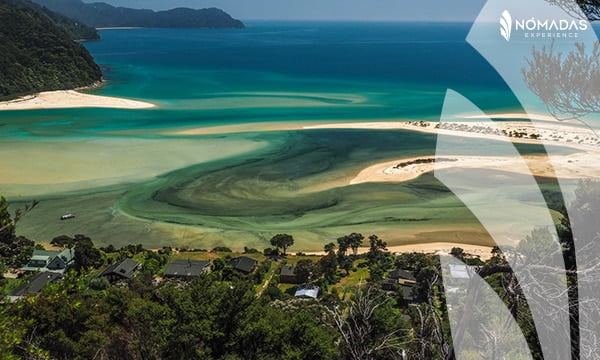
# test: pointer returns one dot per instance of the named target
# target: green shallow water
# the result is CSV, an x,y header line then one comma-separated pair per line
x,y
298,184
130,181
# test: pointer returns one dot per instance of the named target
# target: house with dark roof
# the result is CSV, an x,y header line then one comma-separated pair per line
x,y
52,261
307,291
287,275
121,270
402,276
35,285
389,284
408,294
243,264
187,269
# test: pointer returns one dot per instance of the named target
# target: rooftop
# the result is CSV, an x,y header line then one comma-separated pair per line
x,y
124,268
459,271
55,261
307,291
187,268
288,270
402,274
243,263
36,284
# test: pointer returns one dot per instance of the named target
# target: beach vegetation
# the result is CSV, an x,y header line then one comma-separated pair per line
x,y
282,241
222,249
36,55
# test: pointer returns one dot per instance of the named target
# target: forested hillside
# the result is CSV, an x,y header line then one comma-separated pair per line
x,y
77,30
105,15
36,55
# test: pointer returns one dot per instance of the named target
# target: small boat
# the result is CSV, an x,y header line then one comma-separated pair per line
x,y
67,216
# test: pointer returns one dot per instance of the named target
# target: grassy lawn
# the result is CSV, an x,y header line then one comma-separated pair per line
x,y
293,259
285,287
205,255
359,276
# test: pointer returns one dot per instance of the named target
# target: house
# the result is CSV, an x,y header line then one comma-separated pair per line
x,y
121,270
307,291
243,264
287,275
35,285
389,284
408,294
187,269
402,276
460,271
52,261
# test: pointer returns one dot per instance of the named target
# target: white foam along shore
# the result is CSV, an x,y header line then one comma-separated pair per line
x,y
64,99
119,28
575,166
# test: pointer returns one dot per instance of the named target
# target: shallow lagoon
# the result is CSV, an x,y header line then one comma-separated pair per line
x,y
131,179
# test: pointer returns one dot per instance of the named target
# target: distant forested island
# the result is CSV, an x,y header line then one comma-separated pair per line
x,y
104,15
37,51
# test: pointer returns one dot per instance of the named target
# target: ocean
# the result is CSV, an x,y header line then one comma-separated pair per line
x,y
131,176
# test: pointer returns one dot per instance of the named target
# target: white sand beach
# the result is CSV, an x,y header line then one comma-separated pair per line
x,y
559,133
439,248
579,165
575,166
64,99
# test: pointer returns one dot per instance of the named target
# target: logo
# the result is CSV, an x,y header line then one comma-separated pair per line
x,y
506,25
540,28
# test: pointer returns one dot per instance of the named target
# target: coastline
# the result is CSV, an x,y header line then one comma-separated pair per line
x,y
574,166
571,167
438,248
66,99
119,28
521,132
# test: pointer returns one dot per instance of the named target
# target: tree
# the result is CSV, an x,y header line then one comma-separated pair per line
x,y
458,253
347,266
568,86
370,329
328,265
377,246
343,245
63,241
376,272
590,8
282,241
307,270
15,251
86,254
355,241
329,247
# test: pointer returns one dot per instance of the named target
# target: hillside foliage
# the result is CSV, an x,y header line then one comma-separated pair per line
x,y
76,29
36,55
104,15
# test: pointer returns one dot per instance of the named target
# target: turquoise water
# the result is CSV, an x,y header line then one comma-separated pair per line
x,y
291,181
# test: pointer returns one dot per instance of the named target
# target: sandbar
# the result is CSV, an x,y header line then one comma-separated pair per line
x,y
65,99
579,165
